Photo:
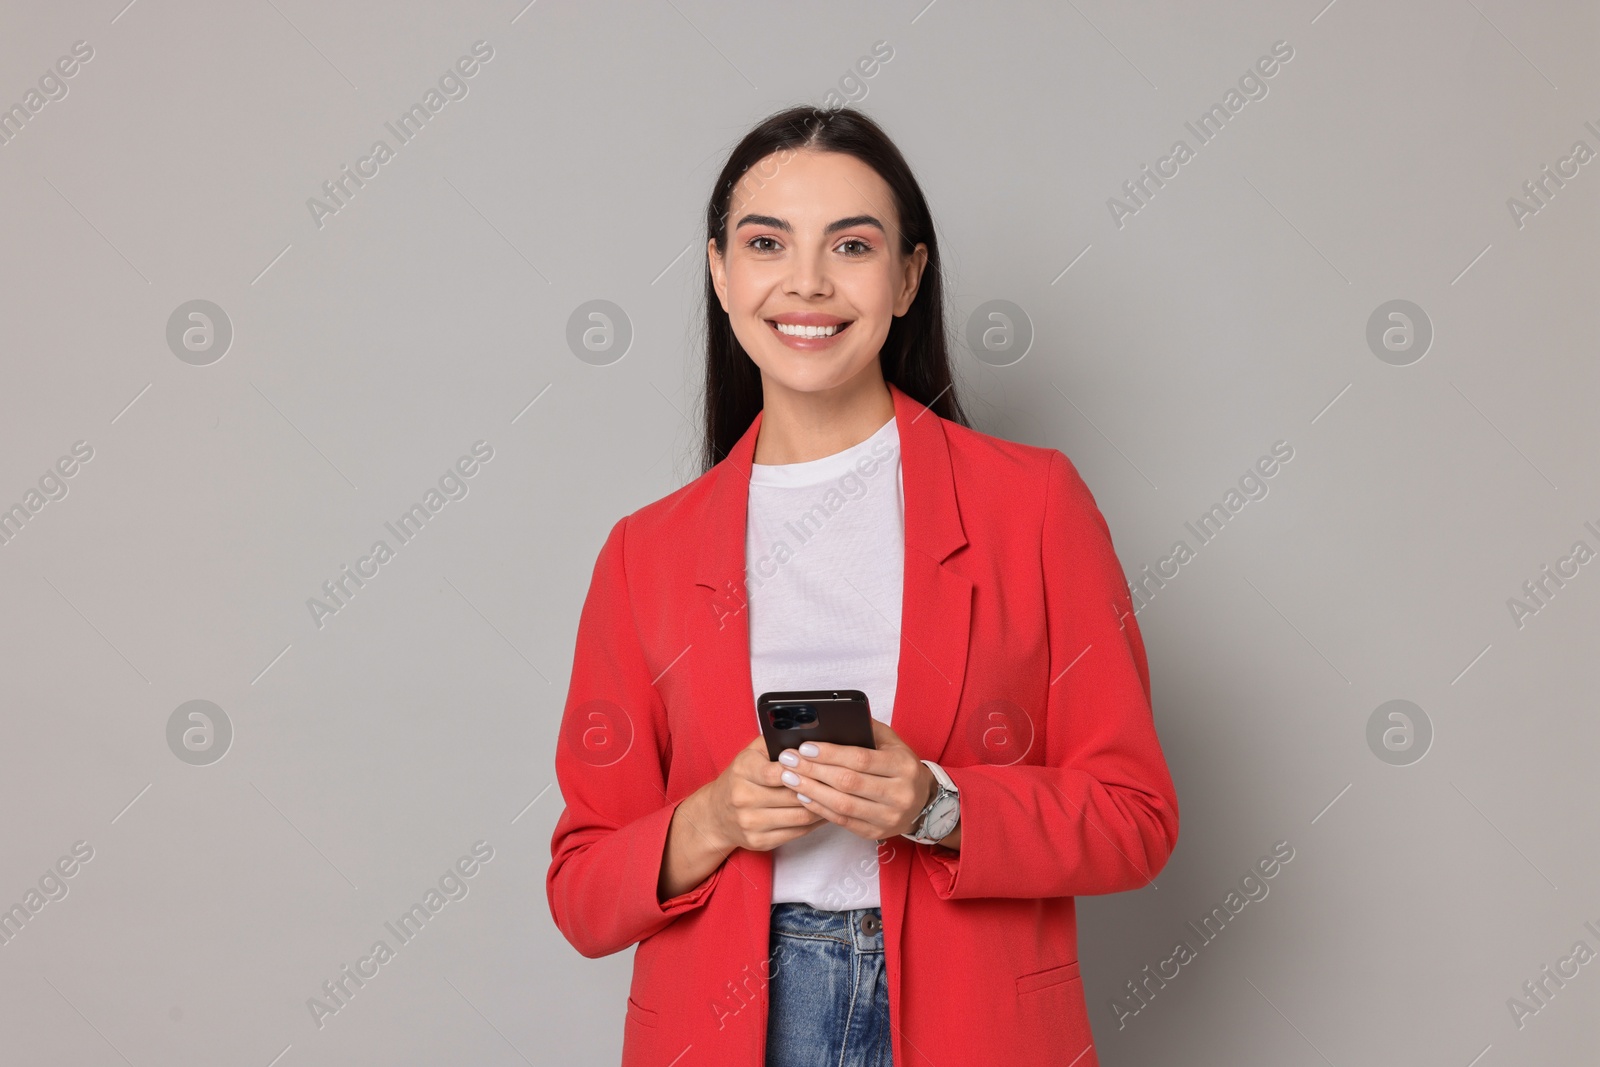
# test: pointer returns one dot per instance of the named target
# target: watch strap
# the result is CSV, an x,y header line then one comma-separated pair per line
x,y
945,786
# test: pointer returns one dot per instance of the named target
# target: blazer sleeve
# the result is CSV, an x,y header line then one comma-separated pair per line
x,y
611,754
1101,816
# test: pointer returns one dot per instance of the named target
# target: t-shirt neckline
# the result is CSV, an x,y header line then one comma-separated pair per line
x,y
815,471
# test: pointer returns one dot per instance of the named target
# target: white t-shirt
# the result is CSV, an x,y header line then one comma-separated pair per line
x,y
824,566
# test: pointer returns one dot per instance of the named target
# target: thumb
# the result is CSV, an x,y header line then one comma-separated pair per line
x,y
884,737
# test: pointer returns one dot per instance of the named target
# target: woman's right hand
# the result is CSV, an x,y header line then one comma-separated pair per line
x,y
748,806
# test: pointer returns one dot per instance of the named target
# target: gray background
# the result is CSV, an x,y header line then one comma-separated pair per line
x,y
431,312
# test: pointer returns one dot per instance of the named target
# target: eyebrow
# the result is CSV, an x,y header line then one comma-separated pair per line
x,y
833,227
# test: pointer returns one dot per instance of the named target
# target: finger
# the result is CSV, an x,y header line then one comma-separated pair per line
x,y
859,827
845,805
759,771
769,775
867,784
853,757
761,796
798,815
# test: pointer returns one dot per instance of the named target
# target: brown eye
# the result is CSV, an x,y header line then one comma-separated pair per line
x,y
754,241
862,245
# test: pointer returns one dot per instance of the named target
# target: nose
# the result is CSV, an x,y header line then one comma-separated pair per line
x,y
808,275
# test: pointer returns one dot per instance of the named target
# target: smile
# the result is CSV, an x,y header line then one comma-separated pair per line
x,y
809,331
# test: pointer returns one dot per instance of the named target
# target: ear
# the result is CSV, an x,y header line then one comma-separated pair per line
x,y
916,262
719,273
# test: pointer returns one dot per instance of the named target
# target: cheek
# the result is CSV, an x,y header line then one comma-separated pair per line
x,y
872,293
747,289
746,297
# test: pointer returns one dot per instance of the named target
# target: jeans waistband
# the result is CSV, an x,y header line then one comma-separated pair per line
x,y
860,928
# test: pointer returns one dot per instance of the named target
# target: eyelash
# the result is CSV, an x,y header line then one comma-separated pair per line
x,y
865,247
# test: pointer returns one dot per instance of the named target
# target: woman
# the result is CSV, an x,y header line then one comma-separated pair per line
x,y
911,903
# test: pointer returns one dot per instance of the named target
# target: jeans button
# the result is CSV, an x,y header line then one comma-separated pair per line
x,y
871,924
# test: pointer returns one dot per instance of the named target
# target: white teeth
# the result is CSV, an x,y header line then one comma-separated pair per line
x,y
806,331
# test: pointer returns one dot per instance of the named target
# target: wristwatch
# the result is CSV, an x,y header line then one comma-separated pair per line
x,y
938,819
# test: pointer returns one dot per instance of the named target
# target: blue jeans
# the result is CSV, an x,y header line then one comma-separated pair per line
x,y
828,994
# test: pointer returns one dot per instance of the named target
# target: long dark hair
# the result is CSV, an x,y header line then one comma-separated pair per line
x,y
915,355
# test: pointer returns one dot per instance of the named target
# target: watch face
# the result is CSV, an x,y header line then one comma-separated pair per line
x,y
942,819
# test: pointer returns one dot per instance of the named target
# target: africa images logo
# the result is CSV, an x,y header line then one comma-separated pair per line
x,y
453,885
341,189
1252,85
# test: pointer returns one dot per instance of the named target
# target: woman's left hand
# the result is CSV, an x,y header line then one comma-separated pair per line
x,y
875,793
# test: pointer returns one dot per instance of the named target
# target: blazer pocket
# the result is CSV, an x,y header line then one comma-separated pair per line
x,y
1050,976
641,1014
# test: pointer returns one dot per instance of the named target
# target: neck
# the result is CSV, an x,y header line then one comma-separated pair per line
x,y
798,426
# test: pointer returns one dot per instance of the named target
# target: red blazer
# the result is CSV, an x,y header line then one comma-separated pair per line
x,y
1021,672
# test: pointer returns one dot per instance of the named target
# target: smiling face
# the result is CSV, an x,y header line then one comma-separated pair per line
x,y
813,273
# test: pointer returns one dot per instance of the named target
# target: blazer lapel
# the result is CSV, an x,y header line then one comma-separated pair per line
x,y
936,604
936,615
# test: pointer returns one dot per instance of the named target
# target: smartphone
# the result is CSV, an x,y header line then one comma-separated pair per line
x,y
838,716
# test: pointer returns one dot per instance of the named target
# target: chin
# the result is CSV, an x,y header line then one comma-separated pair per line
x,y
800,377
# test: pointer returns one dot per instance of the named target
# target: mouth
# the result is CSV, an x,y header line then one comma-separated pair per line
x,y
808,332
